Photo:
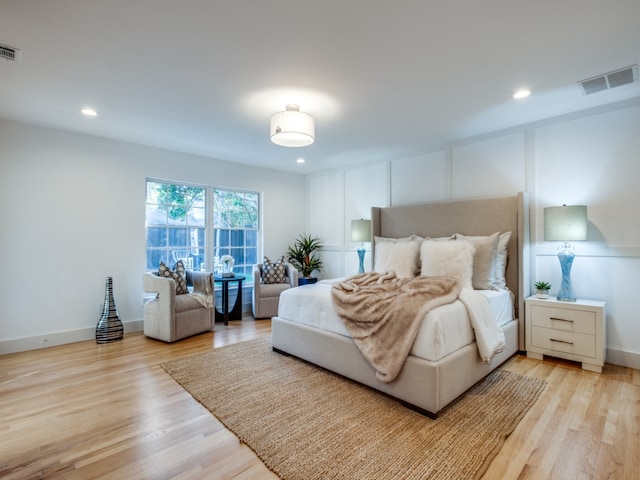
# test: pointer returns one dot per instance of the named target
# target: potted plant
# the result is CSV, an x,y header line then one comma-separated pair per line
x,y
542,289
301,256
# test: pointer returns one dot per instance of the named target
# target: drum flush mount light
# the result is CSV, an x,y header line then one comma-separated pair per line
x,y
292,128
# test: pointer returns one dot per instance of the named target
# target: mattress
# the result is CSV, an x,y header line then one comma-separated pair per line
x,y
443,331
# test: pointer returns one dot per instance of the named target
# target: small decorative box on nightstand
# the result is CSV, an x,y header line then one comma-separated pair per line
x,y
570,330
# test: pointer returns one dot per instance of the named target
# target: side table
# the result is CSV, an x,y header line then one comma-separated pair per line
x,y
236,312
570,330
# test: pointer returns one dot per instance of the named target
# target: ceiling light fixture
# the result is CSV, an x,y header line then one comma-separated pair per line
x,y
89,112
300,160
292,128
522,94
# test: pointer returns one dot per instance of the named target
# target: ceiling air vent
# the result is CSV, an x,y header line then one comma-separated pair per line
x,y
617,78
9,53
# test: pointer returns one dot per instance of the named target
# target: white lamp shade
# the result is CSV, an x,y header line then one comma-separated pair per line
x,y
360,230
292,128
566,223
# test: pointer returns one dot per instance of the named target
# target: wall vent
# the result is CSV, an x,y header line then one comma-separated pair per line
x,y
9,53
617,78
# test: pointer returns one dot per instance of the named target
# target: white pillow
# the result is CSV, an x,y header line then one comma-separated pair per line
x,y
398,254
453,259
501,260
484,260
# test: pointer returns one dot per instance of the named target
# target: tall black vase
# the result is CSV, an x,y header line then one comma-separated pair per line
x,y
109,328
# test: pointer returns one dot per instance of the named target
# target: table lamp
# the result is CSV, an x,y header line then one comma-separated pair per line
x,y
361,232
565,224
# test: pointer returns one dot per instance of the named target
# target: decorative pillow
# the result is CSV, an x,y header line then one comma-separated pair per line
x,y
484,260
274,272
179,274
453,259
398,254
501,260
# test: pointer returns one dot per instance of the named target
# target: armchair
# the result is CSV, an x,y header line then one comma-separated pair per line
x,y
265,299
170,317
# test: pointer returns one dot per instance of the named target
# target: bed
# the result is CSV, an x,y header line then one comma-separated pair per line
x,y
427,382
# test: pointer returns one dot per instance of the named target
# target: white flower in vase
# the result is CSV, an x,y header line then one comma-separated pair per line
x,y
227,262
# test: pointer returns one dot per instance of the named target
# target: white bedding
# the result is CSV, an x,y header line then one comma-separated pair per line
x,y
444,330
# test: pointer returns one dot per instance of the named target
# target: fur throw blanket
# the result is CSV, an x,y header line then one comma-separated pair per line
x,y
383,313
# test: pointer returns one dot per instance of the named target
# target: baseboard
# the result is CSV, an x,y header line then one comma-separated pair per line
x,y
71,336
59,338
623,358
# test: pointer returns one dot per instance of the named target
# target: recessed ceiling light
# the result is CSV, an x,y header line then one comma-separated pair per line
x,y
89,112
300,160
522,94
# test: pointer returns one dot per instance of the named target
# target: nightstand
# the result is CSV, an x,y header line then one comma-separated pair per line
x,y
570,330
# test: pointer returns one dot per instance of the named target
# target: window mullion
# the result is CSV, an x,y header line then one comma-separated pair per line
x,y
209,238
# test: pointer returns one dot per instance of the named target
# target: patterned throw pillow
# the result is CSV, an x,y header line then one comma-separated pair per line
x,y
179,274
274,272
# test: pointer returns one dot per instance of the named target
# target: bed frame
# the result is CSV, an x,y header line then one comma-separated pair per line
x,y
424,385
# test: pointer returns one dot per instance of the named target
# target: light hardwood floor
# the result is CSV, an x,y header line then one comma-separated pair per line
x,y
91,411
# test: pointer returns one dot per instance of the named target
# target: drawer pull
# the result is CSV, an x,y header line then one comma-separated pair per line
x,y
560,319
561,341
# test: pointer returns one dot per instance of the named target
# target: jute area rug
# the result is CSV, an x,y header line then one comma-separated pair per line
x,y
307,423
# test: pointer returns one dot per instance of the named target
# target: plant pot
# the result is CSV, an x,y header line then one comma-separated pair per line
x,y
306,280
542,294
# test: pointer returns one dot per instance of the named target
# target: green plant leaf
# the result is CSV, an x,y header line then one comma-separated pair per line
x,y
301,254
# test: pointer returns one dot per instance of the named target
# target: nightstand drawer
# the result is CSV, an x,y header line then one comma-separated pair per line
x,y
556,340
565,319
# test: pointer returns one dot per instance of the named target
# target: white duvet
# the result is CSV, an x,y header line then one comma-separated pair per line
x,y
444,330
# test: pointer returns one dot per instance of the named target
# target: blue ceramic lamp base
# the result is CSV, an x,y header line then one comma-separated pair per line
x,y
361,252
565,294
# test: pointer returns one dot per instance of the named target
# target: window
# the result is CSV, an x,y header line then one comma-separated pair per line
x,y
183,224
176,224
236,228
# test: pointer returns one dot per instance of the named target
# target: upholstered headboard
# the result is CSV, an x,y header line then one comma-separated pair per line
x,y
469,217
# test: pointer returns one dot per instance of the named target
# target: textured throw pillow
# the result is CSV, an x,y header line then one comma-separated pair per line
x,y
453,259
274,272
398,254
501,260
179,274
484,259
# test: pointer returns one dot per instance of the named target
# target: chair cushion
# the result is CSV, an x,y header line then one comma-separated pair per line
x,y
273,289
273,272
185,303
179,274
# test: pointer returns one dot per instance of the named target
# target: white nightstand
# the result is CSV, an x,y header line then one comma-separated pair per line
x,y
570,330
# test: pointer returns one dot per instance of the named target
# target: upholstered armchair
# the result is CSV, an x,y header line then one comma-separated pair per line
x,y
170,317
267,295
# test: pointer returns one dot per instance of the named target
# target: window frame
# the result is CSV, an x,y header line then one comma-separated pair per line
x,y
210,244
219,250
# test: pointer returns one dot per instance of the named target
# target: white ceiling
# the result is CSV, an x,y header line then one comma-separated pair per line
x,y
383,80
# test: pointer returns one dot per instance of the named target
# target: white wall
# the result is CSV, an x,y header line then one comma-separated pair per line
x,y
72,213
336,199
589,158
594,161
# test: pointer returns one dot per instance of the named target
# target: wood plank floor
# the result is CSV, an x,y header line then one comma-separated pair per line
x,y
88,411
